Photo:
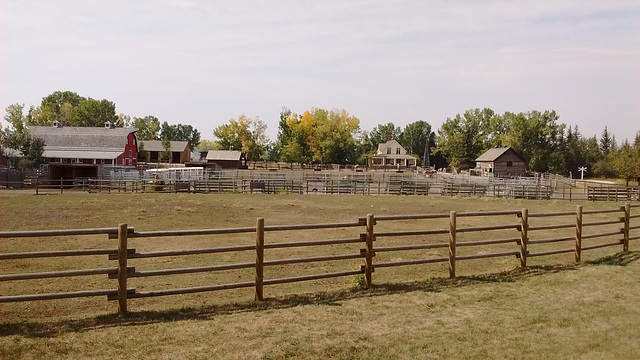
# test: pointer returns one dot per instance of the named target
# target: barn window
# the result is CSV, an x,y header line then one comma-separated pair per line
x,y
509,163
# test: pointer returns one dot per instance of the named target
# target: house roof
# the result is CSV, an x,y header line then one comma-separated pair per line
x,y
495,153
233,155
393,143
82,137
156,145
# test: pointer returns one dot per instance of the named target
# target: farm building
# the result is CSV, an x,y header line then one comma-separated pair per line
x,y
226,159
391,154
180,151
88,145
501,162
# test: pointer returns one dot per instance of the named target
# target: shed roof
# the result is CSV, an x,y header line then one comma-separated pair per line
x,y
81,153
494,153
82,137
233,155
156,145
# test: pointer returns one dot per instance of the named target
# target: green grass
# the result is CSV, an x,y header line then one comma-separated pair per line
x,y
554,309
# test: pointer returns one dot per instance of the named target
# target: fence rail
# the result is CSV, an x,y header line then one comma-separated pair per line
x,y
539,188
372,237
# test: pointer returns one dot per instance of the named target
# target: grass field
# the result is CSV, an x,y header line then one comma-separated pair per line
x,y
553,309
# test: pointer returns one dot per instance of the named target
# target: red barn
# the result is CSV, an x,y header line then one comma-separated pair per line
x,y
88,145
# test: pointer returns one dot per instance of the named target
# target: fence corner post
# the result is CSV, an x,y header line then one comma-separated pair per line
x,y
627,218
452,244
122,268
524,226
368,255
578,252
259,259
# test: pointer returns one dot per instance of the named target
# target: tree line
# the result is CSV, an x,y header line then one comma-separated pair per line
x,y
319,136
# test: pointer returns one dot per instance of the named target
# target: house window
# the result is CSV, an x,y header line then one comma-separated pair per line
x,y
388,150
509,163
397,151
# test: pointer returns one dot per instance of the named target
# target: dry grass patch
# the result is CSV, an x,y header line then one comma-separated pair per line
x,y
553,312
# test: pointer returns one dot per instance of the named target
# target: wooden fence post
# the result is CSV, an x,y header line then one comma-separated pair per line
x,y
524,226
122,268
368,254
578,252
627,217
36,184
61,184
452,244
259,259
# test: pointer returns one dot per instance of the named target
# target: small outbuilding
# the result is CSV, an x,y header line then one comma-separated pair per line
x,y
226,159
501,162
180,151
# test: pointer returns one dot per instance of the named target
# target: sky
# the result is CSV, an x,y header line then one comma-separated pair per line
x,y
203,62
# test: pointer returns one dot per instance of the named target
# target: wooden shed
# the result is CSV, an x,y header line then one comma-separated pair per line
x,y
180,151
501,162
227,159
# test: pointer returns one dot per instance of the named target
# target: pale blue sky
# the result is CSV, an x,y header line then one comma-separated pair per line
x,y
203,62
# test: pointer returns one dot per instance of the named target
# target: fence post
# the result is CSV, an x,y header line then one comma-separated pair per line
x,y
259,259
368,254
122,268
578,233
524,226
36,184
452,244
627,217
61,184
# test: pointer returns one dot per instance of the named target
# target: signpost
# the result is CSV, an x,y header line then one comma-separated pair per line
x,y
582,170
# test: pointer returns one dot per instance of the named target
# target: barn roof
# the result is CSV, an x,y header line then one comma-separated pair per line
x,y
82,137
156,145
494,153
233,155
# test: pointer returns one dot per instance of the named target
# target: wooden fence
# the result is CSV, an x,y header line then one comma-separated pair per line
x,y
525,239
356,183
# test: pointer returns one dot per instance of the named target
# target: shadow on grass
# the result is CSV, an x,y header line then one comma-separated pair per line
x,y
52,329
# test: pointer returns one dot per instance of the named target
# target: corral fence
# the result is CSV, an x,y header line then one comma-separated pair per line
x,y
367,183
521,235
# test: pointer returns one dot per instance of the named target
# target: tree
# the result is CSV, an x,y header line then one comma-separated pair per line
x,y
335,136
284,136
300,132
17,137
537,138
417,138
206,145
93,113
606,142
625,162
462,139
148,127
166,149
57,106
71,109
577,151
244,134
180,132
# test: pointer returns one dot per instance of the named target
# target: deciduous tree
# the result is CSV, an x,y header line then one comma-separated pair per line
x,y
244,134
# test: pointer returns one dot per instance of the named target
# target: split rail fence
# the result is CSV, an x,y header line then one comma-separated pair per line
x,y
527,236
